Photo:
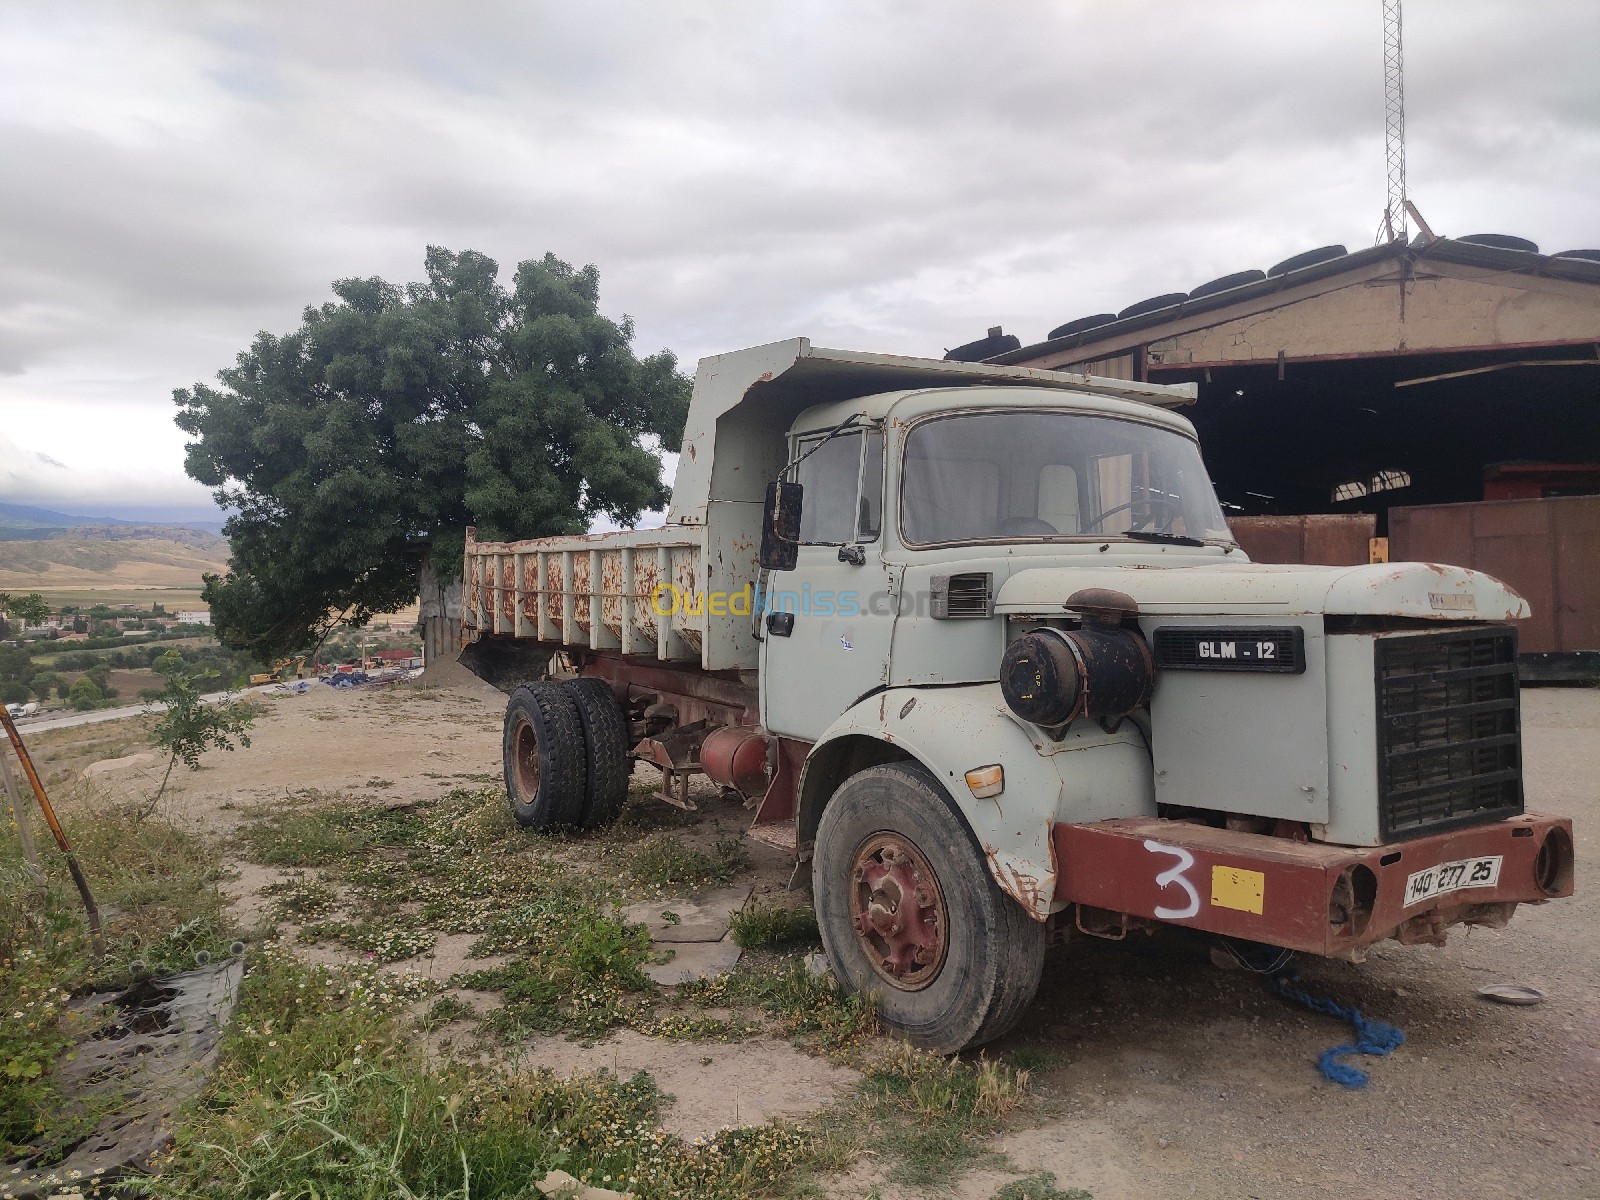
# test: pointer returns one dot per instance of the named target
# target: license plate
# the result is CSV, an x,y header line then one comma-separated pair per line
x,y
1452,877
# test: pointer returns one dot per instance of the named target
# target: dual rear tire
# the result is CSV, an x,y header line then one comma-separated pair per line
x,y
908,910
565,753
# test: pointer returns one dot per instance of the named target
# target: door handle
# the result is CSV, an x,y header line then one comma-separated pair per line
x,y
856,556
780,624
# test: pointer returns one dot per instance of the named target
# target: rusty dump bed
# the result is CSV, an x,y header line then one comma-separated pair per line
x,y
1307,896
635,592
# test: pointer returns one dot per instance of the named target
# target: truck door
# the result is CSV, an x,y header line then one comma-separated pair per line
x,y
828,622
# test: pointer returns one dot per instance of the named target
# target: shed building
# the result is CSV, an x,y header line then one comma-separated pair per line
x,y
1376,392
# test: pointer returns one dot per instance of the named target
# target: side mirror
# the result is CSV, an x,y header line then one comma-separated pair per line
x,y
780,526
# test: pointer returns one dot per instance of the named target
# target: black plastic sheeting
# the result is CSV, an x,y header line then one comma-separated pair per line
x,y
153,1055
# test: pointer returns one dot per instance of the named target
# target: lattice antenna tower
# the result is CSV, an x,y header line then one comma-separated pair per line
x,y
1394,128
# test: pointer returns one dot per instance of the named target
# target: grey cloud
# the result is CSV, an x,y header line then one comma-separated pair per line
x,y
889,175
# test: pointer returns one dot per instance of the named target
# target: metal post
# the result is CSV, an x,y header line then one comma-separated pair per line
x,y
90,908
1394,125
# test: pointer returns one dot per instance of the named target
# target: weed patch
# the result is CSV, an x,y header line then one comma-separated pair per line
x,y
760,926
446,1009
381,941
930,1112
42,947
662,861
574,968
322,835
1040,1186
344,1106
299,898
801,1004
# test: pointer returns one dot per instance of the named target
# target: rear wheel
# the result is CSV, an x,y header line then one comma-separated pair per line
x,y
910,914
543,754
605,736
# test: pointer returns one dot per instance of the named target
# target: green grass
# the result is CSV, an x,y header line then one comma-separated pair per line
x,y
801,1005
321,1091
663,861
299,898
761,926
43,947
383,941
927,1115
447,1009
323,1086
1040,1186
574,968
317,834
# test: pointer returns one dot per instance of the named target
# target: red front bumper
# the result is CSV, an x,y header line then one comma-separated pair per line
x,y
1328,900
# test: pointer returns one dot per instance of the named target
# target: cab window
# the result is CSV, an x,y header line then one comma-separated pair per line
x,y
843,479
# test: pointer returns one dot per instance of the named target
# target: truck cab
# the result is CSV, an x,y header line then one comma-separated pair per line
x,y
977,644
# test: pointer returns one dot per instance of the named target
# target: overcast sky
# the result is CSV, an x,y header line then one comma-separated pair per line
x,y
887,176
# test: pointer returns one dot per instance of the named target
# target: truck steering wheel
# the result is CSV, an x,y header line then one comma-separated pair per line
x,y
1161,501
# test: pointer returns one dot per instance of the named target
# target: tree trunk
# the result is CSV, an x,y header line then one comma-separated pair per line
x,y
171,762
439,614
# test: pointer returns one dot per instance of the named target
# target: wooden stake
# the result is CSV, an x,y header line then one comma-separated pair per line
x,y
19,814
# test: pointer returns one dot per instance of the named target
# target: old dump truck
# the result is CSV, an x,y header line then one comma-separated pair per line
x,y
977,643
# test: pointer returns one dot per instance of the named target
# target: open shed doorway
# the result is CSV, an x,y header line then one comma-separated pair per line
x,y
1342,437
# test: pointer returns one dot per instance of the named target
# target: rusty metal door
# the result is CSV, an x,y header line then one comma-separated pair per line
x,y
1324,540
1546,549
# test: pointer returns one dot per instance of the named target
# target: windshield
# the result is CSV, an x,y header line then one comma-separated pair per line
x,y
1016,475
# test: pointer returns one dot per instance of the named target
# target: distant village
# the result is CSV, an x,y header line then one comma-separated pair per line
x,y
76,624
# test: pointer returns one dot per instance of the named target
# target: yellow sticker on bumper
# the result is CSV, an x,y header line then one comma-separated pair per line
x,y
1236,888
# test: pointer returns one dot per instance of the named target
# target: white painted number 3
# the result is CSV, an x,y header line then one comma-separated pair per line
x,y
1173,876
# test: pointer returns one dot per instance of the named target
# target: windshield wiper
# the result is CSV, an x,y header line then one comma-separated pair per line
x,y
1150,535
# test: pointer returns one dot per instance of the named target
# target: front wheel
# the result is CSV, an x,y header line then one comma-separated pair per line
x,y
910,914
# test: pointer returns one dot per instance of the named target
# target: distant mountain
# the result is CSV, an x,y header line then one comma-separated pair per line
x,y
20,522
97,557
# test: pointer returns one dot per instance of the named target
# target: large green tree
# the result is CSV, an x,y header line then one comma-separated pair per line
x,y
399,411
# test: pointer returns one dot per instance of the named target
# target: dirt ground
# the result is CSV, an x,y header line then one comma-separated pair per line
x,y
1160,1075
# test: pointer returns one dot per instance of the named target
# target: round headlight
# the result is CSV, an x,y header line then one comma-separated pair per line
x,y
1041,677
1052,677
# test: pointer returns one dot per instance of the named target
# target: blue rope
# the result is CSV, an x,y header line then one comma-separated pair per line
x,y
1372,1037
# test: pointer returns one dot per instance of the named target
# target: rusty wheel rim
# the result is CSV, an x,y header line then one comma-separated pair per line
x,y
897,910
527,763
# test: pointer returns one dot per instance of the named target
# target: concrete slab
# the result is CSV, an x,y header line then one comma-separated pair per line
x,y
695,960
702,917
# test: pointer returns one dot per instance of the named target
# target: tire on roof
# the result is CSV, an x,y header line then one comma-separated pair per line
x,y
984,348
1500,241
1082,323
1151,305
1309,258
1591,255
1227,283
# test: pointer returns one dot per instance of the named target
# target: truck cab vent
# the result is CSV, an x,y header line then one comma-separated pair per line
x,y
962,597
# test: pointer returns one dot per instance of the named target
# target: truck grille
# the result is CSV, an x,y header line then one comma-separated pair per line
x,y
1449,748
